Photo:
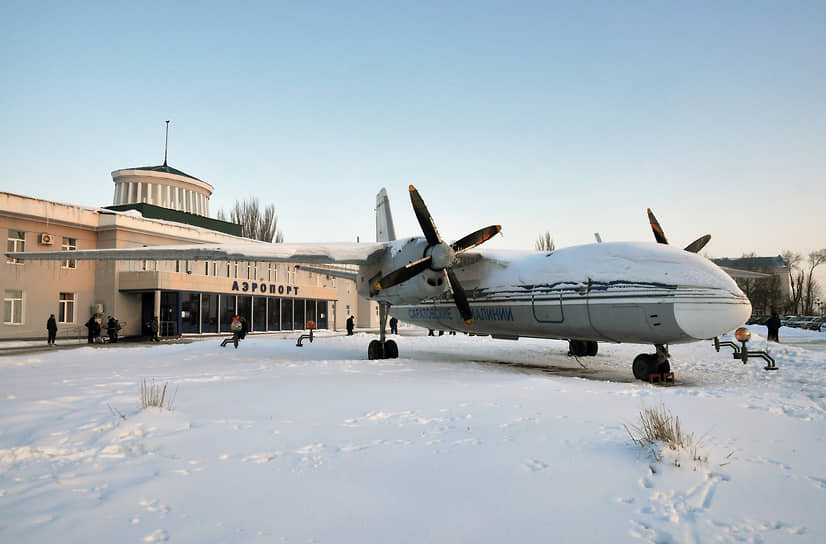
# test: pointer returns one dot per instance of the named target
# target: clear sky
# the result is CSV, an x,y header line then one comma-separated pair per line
x,y
566,117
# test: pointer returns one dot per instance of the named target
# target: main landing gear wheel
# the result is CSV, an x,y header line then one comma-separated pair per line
x,y
375,351
391,350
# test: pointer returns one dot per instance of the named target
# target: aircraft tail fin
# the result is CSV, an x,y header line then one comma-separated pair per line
x,y
385,232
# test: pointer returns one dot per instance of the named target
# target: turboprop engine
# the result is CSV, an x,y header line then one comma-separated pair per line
x,y
425,284
422,268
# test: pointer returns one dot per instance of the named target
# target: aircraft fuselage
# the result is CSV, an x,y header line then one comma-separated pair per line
x,y
611,292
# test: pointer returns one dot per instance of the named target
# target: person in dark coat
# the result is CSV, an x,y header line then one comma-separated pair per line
x,y
773,324
350,325
91,325
155,327
51,328
112,326
394,325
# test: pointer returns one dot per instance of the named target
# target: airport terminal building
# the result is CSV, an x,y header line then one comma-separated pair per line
x,y
154,206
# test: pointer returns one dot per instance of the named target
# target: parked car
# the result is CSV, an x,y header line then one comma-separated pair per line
x,y
757,320
817,324
800,322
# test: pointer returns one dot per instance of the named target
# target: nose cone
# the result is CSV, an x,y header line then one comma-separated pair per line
x,y
704,320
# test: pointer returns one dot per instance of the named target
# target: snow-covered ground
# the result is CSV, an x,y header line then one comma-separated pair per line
x,y
460,440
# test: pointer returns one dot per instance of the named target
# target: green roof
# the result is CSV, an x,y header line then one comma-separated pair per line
x,y
150,211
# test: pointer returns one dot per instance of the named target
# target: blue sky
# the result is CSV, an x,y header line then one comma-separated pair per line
x,y
571,118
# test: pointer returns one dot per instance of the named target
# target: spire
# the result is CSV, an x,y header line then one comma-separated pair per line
x,y
166,145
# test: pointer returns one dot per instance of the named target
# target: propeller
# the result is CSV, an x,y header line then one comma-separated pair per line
x,y
440,256
659,235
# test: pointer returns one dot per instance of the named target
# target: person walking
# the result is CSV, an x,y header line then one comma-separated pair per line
x,y
394,325
237,328
773,325
112,326
350,325
51,328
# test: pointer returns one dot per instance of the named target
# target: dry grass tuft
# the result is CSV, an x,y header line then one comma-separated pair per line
x,y
658,425
154,395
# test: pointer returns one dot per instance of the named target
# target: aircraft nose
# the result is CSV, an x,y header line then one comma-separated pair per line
x,y
707,319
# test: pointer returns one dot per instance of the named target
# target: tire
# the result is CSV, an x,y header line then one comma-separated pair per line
x,y
664,368
642,366
391,350
592,349
374,350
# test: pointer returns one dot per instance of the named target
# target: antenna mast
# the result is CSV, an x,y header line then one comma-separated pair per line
x,y
166,144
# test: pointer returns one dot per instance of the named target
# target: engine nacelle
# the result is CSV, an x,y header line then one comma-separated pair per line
x,y
429,283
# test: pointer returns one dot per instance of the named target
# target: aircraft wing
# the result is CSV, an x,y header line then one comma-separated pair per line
x,y
333,253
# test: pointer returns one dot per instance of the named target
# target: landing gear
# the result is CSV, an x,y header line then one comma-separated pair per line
x,y
375,351
582,348
646,364
381,348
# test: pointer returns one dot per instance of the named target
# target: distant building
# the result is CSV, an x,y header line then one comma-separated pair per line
x,y
154,206
766,294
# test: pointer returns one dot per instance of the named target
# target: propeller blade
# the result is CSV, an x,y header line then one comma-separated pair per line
x,y
459,296
659,235
698,244
403,274
425,220
474,239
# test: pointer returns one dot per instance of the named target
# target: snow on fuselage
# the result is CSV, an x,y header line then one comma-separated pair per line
x,y
616,292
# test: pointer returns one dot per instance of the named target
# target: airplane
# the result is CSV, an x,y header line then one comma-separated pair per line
x,y
616,292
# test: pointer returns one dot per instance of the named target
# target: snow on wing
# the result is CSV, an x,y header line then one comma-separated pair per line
x,y
334,253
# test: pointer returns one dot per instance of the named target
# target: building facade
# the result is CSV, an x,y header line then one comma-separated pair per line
x,y
153,207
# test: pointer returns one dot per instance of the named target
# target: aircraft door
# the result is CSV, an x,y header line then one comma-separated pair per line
x,y
548,308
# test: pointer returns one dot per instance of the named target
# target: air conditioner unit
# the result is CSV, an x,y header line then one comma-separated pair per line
x,y
46,239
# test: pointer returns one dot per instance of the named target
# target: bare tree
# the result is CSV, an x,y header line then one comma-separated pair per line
x,y
804,286
810,287
255,223
545,242
795,278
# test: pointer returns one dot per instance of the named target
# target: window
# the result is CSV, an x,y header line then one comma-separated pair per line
x,y
17,242
66,308
272,272
13,307
69,244
206,268
252,271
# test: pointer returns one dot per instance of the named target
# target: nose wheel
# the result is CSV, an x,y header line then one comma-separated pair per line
x,y
646,364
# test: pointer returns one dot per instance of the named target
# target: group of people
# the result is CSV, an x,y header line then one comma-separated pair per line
x,y
94,328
